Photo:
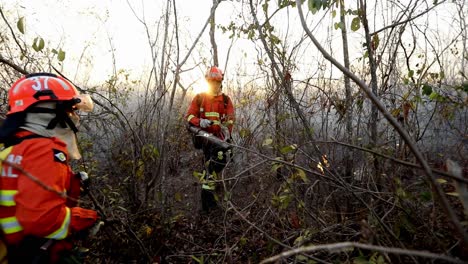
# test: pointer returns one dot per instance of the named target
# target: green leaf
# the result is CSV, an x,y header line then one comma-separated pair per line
x,y
375,41
244,132
276,166
34,45
288,149
178,196
427,89
333,13
318,4
20,25
410,73
267,142
356,24
360,260
426,196
199,175
301,174
38,44
339,25
401,193
198,260
61,55
41,44
312,6
465,87
325,4
243,241
441,181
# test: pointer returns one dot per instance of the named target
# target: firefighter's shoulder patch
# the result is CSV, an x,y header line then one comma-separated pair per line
x,y
60,156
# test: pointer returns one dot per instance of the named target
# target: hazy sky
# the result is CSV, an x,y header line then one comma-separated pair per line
x,y
91,27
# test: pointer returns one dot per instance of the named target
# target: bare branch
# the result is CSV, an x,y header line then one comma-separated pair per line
x,y
12,65
12,32
406,163
409,19
231,206
347,246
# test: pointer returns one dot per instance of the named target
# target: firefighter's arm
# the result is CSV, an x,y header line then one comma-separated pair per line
x,y
193,113
44,212
231,115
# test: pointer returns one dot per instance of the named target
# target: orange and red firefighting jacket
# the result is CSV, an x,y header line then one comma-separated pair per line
x,y
26,208
217,108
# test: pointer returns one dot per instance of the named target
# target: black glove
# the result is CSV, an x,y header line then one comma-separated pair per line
x,y
85,182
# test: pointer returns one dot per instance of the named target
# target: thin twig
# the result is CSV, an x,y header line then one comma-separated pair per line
x,y
12,32
407,20
406,163
231,205
347,246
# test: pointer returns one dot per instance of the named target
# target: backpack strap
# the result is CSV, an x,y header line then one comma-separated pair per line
x,y
225,100
16,140
200,97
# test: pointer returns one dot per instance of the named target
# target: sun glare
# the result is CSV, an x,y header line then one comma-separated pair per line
x,y
200,87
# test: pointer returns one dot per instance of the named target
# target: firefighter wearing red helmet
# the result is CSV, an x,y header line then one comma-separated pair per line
x,y
38,136
212,112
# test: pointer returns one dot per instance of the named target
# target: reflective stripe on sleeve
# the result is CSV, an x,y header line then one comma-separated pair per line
x,y
212,114
190,117
10,225
230,122
62,232
3,155
6,197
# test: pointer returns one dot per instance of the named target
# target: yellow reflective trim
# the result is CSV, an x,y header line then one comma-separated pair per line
x,y
230,122
10,225
62,232
3,155
6,197
190,117
216,122
212,114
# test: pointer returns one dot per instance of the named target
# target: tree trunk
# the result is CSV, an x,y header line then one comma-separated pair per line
x,y
373,122
212,35
348,92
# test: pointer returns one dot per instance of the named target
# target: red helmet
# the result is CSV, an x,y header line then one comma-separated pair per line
x,y
214,74
39,87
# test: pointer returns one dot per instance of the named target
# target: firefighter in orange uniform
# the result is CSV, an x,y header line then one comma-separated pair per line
x,y
38,136
213,112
